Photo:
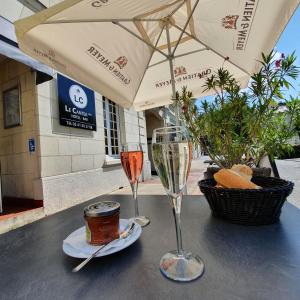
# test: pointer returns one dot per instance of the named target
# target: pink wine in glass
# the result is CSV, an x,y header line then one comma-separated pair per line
x,y
132,158
132,163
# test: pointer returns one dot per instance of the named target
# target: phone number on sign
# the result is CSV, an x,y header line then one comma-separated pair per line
x,y
79,125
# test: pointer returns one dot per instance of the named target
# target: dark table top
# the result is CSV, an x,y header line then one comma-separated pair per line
x,y
241,262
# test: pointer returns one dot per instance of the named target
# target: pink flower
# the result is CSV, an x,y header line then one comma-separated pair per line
x,y
278,63
282,55
184,108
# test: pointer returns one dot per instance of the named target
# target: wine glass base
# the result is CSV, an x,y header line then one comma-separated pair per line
x,y
142,220
183,267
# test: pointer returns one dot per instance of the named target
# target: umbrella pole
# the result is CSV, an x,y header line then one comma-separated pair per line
x,y
174,91
170,59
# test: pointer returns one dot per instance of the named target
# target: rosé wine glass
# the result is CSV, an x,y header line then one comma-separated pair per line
x,y
132,158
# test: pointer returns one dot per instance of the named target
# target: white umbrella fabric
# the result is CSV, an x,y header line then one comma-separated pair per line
x,y
138,52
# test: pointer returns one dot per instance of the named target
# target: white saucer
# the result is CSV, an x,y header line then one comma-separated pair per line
x,y
75,244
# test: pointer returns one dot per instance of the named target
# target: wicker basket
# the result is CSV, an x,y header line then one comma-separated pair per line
x,y
248,207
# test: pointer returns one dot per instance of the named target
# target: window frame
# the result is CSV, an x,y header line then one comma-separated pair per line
x,y
106,117
18,111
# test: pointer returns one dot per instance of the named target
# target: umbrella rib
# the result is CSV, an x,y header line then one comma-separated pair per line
x,y
176,9
191,23
177,56
98,20
214,51
158,63
148,62
185,26
158,9
190,52
140,38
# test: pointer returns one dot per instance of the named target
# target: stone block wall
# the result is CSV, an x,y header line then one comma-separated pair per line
x,y
19,169
73,162
64,149
69,165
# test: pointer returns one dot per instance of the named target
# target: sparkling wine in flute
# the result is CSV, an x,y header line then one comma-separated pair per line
x,y
132,162
172,162
172,153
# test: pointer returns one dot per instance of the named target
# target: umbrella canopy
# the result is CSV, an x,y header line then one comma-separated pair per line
x,y
135,52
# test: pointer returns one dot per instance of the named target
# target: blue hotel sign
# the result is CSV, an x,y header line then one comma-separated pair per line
x,y
76,104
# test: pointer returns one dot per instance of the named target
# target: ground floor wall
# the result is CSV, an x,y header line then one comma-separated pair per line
x,y
74,164
20,169
66,190
68,165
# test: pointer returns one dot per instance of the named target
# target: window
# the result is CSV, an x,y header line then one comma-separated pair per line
x,y
111,127
12,107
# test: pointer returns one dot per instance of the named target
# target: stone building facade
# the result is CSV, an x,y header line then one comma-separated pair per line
x,y
69,165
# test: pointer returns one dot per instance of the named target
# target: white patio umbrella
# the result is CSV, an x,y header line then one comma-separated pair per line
x,y
138,52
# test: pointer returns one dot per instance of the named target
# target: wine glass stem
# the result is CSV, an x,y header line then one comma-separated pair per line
x,y
176,212
134,187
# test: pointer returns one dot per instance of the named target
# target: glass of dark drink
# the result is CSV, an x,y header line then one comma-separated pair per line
x,y
132,158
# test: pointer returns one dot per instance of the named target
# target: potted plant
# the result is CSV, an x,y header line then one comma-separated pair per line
x,y
240,126
293,107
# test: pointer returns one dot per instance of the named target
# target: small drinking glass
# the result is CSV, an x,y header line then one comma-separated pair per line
x,y
132,158
171,151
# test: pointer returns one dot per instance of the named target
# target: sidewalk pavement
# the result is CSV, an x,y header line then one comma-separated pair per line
x,y
288,169
154,186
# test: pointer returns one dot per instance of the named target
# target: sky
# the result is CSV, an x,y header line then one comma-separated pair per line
x,y
288,42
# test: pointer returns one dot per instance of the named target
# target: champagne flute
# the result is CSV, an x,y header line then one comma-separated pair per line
x,y
132,158
171,152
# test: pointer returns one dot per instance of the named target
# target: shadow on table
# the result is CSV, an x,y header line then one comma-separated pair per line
x,y
253,259
101,272
257,250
